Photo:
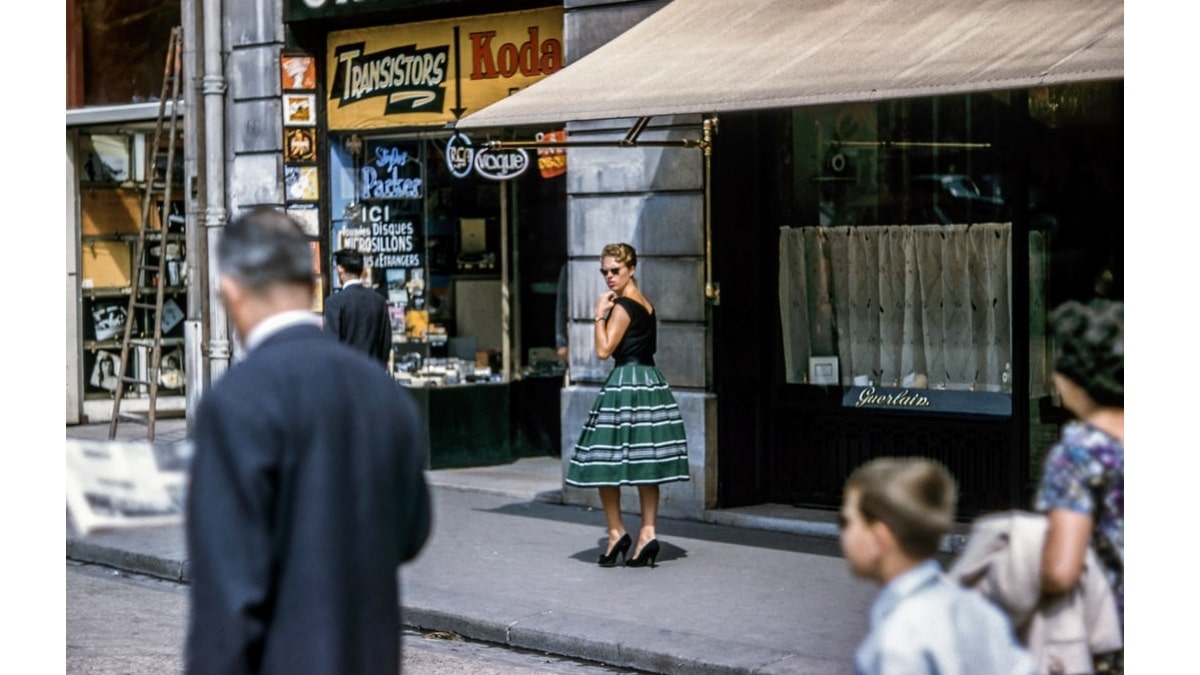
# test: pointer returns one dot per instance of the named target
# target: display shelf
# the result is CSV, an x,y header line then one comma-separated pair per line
x,y
93,345
109,275
154,236
124,291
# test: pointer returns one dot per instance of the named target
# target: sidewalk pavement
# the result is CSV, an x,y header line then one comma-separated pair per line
x,y
507,562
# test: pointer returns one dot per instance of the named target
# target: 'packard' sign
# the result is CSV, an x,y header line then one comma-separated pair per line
x,y
435,72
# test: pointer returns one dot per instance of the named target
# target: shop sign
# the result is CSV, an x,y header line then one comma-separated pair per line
x,y
898,399
460,155
395,239
501,164
552,161
434,72
391,172
389,235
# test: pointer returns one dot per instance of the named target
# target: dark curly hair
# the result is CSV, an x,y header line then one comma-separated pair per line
x,y
1089,348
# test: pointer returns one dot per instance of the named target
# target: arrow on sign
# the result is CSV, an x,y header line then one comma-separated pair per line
x,y
458,110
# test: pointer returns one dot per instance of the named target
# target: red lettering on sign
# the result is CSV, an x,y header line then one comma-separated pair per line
x,y
484,67
532,57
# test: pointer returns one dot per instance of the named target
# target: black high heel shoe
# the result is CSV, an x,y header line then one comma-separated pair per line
x,y
647,556
622,546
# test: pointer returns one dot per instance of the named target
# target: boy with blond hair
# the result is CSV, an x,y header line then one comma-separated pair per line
x,y
894,514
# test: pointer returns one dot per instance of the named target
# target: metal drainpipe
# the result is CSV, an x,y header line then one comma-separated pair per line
x,y
215,214
193,326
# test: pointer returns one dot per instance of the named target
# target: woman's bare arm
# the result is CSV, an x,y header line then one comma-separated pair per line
x,y
1067,539
608,333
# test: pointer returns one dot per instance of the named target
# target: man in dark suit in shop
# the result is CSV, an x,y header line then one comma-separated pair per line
x,y
358,315
307,484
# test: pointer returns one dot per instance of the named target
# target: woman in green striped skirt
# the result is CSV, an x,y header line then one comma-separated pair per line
x,y
634,432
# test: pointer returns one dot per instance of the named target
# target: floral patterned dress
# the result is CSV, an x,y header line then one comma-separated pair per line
x,y
1085,472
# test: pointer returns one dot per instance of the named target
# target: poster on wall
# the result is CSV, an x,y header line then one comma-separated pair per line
x,y
300,145
307,216
435,72
301,183
299,110
298,71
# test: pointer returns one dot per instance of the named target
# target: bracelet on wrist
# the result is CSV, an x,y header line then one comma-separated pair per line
x,y
597,319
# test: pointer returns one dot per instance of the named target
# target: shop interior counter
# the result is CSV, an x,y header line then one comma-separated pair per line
x,y
467,424
476,418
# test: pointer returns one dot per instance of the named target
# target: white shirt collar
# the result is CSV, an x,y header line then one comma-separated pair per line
x,y
351,283
277,322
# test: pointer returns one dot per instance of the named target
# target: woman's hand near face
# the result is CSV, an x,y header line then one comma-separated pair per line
x,y
604,304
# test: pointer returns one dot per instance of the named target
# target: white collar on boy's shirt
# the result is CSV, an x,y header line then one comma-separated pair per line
x,y
902,586
277,322
350,283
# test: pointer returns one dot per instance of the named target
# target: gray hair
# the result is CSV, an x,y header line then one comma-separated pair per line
x,y
263,247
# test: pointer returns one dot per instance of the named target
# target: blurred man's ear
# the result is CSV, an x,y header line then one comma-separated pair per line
x,y
233,295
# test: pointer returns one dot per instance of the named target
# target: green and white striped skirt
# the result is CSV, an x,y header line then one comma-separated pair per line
x,y
633,435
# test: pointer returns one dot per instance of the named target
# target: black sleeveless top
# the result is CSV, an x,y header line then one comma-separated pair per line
x,y
641,338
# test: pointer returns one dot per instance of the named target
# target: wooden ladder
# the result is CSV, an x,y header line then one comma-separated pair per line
x,y
150,278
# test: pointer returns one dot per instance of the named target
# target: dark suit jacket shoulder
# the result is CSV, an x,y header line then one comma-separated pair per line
x,y
307,491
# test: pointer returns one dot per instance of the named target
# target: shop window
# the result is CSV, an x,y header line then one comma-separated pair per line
x,y
113,173
922,306
897,271
118,49
896,255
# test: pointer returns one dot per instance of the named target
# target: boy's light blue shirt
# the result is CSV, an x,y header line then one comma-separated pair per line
x,y
923,623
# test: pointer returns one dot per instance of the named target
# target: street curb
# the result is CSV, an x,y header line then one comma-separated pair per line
x,y
545,496
136,563
536,630
679,653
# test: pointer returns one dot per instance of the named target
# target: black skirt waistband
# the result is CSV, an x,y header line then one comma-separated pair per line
x,y
632,360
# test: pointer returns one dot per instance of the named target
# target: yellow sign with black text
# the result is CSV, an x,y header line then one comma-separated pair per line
x,y
435,72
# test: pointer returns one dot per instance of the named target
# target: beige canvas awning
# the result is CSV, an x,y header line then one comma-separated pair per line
x,y
710,56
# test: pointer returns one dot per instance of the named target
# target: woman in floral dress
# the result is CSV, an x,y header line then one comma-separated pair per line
x,y
1082,489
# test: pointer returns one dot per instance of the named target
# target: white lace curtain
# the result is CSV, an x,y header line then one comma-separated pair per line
x,y
915,306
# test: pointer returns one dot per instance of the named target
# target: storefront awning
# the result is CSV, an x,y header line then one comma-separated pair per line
x,y
710,56
115,114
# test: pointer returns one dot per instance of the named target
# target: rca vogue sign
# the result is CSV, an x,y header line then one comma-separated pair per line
x,y
435,72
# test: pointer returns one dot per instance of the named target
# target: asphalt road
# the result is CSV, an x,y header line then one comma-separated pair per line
x,y
135,625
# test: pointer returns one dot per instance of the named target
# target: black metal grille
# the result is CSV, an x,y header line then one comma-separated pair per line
x,y
814,453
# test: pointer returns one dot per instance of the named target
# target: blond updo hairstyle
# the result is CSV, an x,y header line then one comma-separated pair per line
x,y
623,253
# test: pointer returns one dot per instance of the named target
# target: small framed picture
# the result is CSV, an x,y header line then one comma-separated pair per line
x,y
299,110
298,71
823,370
301,183
307,216
300,145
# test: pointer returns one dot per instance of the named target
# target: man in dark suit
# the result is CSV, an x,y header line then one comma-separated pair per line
x,y
307,485
358,315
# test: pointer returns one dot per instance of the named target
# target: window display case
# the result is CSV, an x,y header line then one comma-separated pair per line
x,y
112,183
